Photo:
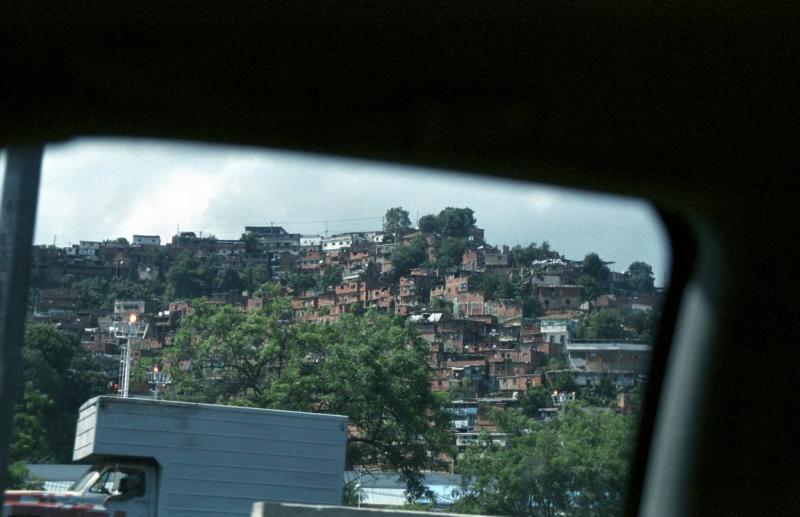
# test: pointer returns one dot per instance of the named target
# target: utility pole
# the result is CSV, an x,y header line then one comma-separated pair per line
x,y
130,332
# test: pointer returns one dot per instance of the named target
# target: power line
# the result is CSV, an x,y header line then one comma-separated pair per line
x,y
332,220
324,221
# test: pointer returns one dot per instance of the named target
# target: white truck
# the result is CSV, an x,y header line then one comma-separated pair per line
x,y
154,458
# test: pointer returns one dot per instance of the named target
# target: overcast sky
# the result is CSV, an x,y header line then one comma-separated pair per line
x,y
99,189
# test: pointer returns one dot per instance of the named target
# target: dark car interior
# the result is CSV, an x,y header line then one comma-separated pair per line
x,y
691,106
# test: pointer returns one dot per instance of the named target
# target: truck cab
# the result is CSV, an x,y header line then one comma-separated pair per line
x,y
127,487
106,489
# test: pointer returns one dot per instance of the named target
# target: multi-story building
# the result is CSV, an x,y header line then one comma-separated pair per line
x,y
557,297
342,240
269,239
621,361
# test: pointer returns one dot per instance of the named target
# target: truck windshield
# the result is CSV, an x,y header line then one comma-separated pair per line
x,y
85,480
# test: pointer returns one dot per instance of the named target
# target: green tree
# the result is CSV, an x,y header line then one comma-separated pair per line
x,y
639,279
396,220
29,439
451,252
456,222
564,382
300,281
229,354
95,292
497,285
330,277
406,258
536,398
523,256
604,324
575,465
228,279
429,224
254,276
373,369
58,379
19,478
250,242
595,278
188,277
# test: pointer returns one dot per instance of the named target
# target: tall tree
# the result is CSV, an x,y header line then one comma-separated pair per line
x,y
639,278
373,369
58,379
224,355
429,223
396,220
456,222
451,252
188,277
595,278
405,258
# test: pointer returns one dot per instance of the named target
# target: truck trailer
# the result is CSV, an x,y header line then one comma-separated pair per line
x,y
155,458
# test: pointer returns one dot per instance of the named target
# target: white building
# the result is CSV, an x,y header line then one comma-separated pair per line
x,y
342,240
557,330
376,237
310,241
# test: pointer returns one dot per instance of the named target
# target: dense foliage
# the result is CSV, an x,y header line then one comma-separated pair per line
x,y
618,323
407,257
450,222
525,255
374,369
57,380
574,464
396,220
517,287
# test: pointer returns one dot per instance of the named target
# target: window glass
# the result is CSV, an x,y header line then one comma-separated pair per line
x,y
120,482
407,278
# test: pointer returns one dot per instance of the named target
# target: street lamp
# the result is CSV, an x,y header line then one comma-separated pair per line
x,y
129,332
